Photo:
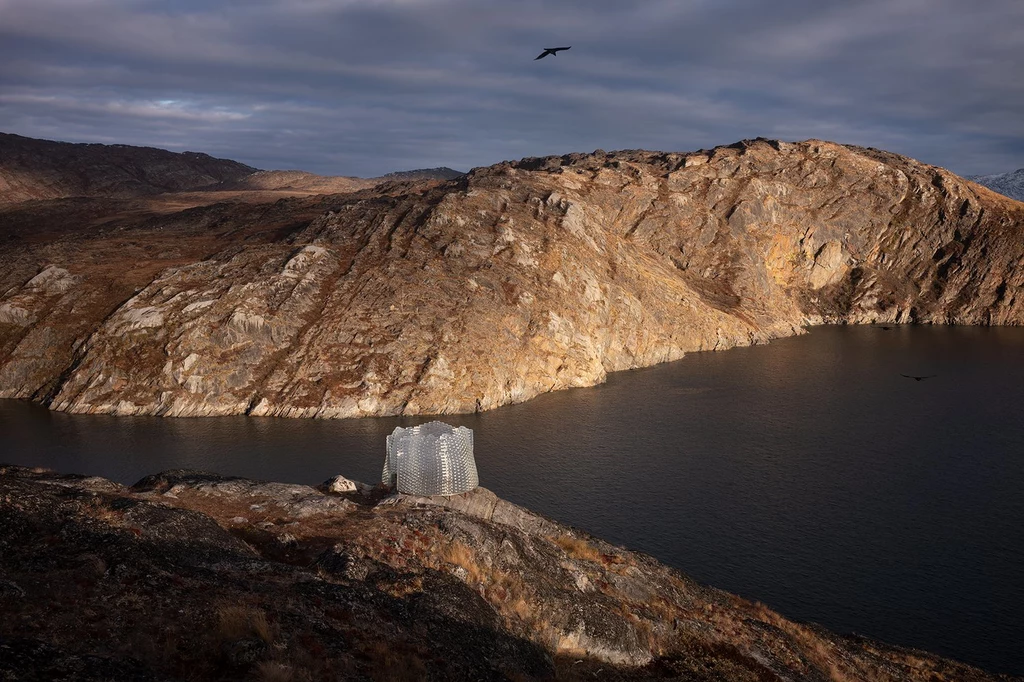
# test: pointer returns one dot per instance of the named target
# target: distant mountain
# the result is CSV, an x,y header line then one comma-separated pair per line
x,y
442,173
310,183
1008,184
44,169
300,181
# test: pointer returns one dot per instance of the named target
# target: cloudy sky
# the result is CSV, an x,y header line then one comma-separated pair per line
x,y
364,87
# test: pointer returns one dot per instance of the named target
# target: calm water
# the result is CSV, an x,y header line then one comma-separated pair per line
x,y
807,474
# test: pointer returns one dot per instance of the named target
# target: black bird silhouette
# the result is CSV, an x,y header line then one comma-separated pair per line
x,y
911,376
550,50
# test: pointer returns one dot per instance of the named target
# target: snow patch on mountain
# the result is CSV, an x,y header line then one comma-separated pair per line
x,y
1008,184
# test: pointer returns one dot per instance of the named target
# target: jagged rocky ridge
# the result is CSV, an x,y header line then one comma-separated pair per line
x,y
514,280
187,575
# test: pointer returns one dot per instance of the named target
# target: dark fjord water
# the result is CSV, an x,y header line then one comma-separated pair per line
x,y
807,474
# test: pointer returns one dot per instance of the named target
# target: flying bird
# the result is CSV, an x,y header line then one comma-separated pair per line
x,y
911,376
550,50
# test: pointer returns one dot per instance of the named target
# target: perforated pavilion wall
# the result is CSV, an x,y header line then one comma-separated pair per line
x,y
431,459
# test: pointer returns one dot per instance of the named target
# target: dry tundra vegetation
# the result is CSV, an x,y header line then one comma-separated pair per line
x,y
189,576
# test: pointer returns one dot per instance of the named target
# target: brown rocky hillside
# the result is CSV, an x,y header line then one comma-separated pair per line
x,y
192,576
42,169
513,280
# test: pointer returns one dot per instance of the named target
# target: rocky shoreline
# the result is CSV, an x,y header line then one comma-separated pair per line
x,y
190,575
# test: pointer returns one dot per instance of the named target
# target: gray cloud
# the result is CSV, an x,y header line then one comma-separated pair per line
x,y
365,87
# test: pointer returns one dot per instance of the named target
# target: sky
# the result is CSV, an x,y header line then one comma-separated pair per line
x,y
366,87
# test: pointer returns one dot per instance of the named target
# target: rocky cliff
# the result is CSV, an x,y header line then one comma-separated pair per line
x,y
195,576
513,280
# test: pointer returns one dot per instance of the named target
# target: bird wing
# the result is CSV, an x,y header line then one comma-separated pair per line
x,y
556,49
543,54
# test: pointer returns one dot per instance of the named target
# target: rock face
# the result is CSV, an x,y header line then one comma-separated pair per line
x,y
1007,184
195,576
41,169
511,281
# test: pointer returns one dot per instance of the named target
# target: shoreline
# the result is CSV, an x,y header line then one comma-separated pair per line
x,y
248,576
319,414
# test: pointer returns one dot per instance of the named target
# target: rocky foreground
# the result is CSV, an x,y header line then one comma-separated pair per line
x,y
194,576
521,278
